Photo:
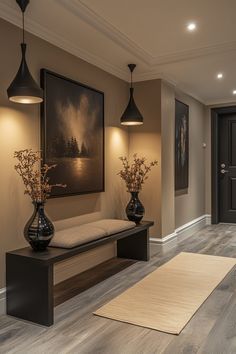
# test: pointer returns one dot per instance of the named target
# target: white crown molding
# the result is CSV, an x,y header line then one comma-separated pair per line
x,y
191,94
103,26
227,101
86,14
194,53
11,15
153,74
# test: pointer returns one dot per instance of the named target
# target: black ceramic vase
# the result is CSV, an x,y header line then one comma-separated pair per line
x,y
135,209
39,230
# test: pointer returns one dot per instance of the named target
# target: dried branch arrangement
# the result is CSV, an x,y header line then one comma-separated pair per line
x,y
136,173
34,175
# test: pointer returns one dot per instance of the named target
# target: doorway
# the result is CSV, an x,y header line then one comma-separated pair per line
x,y
224,165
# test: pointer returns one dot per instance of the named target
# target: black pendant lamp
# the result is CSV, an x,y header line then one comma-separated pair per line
x,y
24,88
131,115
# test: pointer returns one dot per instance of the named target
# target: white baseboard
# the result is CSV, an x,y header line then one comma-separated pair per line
x,y
2,301
186,229
164,239
208,219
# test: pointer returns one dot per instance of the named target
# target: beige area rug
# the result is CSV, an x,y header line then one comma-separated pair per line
x,y
167,298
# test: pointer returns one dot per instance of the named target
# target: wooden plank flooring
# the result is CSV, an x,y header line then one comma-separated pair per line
x,y
211,331
85,280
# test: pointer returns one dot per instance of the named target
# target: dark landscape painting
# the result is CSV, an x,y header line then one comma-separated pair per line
x,y
72,121
181,145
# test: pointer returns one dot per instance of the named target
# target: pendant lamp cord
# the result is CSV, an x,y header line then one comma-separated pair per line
x,y
23,26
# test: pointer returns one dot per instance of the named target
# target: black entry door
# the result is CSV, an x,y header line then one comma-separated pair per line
x,y
227,168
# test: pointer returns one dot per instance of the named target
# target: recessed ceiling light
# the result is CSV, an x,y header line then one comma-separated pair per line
x,y
191,26
219,76
234,92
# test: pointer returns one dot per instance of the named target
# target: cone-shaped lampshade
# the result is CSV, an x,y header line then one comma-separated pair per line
x,y
23,88
131,115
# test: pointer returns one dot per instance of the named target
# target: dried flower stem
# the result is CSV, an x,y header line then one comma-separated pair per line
x,y
136,173
34,176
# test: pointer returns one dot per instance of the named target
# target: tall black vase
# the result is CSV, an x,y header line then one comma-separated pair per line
x,y
39,230
135,209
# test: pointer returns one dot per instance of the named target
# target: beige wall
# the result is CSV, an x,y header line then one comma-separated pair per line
x,y
192,205
20,126
155,139
167,158
146,141
178,210
19,129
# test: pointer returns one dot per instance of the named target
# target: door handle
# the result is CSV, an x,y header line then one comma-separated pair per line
x,y
223,171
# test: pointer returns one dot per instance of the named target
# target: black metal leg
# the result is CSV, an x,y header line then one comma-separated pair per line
x,y
135,247
29,290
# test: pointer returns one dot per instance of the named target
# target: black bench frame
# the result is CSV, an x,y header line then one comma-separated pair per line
x,y
29,275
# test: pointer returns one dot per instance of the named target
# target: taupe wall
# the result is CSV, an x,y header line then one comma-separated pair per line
x,y
168,159
155,139
146,141
19,129
20,126
192,205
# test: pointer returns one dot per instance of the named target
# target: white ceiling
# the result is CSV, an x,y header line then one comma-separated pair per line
x,y
151,33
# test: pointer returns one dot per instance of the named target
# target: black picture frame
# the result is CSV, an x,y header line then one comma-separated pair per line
x,y
181,146
68,94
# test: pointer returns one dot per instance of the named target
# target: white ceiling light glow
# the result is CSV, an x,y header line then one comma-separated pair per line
x,y
220,76
234,92
191,26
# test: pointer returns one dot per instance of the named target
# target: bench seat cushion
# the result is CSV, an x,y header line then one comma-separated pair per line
x,y
79,235
76,236
113,226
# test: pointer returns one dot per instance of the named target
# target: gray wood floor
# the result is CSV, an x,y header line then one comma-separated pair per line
x,y
211,331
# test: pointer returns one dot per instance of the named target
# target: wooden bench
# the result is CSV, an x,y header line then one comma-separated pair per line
x,y
29,275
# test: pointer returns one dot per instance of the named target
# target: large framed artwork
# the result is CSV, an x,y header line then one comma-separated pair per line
x,y
72,134
181,146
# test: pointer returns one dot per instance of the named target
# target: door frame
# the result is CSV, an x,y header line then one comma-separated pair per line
x,y
215,118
